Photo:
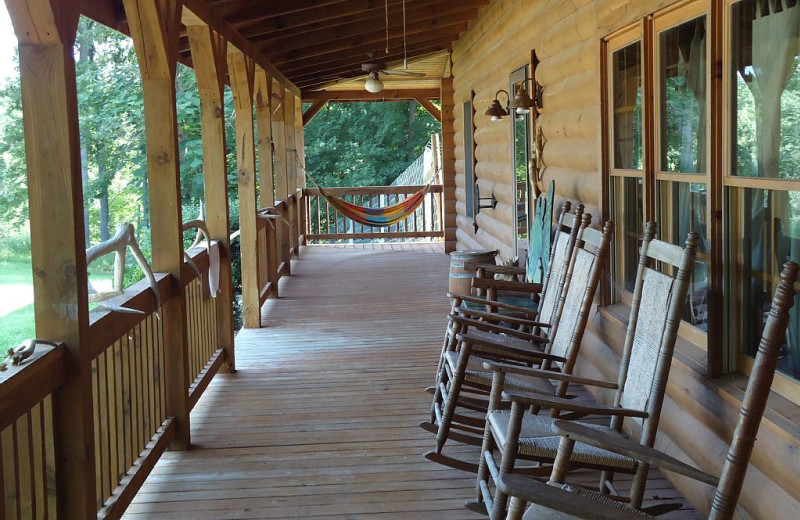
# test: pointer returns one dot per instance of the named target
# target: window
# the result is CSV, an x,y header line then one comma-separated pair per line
x,y
762,173
469,157
626,182
521,153
659,164
660,171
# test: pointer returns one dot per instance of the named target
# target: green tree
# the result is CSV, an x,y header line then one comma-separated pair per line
x,y
366,144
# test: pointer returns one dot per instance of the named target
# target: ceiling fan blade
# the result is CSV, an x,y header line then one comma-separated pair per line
x,y
403,73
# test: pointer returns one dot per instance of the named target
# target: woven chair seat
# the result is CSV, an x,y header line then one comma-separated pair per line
x,y
477,375
536,512
536,439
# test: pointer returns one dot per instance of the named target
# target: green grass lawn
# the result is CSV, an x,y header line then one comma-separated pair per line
x,y
15,271
19,324
16,327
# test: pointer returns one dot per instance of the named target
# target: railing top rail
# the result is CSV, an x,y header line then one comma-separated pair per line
x,y
375,190
21,387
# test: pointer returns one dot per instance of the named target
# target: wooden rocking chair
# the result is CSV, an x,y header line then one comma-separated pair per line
x,y
557,500
467,310
465,366
515,297
658,301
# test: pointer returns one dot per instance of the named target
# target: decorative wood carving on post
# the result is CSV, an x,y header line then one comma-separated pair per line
x,y
154,27
242,73
46,31
209,55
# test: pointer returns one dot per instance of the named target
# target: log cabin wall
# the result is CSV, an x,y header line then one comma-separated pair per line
x,y
699,413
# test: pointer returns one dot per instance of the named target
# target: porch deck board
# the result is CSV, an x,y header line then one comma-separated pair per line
x,y
320,421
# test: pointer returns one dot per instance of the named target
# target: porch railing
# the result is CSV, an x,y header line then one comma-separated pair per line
x,y
130,422
324,223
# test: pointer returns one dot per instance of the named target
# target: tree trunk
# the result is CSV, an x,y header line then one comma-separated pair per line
x,y
104,217
85,182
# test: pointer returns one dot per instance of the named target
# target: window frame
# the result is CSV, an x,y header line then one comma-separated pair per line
x,y
611,44
469,157
783,384
721,343
517,76
647,31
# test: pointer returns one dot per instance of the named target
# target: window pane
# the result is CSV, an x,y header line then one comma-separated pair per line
x,y
627,210
627,100
682,94
765,104
682,208
765,232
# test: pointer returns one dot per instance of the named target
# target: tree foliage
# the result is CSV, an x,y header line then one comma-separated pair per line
x,y
366,144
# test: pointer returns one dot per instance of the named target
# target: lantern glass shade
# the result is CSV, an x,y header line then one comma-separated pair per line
x,y
522,102
373,83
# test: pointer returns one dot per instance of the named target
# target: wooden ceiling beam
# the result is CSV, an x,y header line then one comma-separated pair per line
x,y
362,95
356,54
344,37
202,11
345,70
365,21
243,10
312,111
254,20
430,107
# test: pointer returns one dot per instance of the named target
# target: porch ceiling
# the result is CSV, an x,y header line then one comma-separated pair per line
x,y
321,44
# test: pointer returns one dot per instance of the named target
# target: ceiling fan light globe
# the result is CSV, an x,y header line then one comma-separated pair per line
x,y
373,85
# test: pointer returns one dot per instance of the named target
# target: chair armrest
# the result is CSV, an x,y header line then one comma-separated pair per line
x,y
632,449
500,329
505,348
506,285
495,317
494,268
555,498
491,303
569,404
547,374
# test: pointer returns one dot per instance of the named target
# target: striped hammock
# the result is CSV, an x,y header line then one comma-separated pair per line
x,y
377,217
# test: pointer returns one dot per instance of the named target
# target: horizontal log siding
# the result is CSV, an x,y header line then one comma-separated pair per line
x,y
698,415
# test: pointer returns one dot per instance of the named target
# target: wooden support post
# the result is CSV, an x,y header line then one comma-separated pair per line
x,y
291,166
155,29
46,32
209,54
242,73
264,121
300,151
448,166
281,167
266,171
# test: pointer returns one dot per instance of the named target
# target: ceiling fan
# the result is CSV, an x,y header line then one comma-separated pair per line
x,y
375,68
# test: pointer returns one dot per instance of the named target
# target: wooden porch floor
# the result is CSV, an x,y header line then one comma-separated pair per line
x,y
321,418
